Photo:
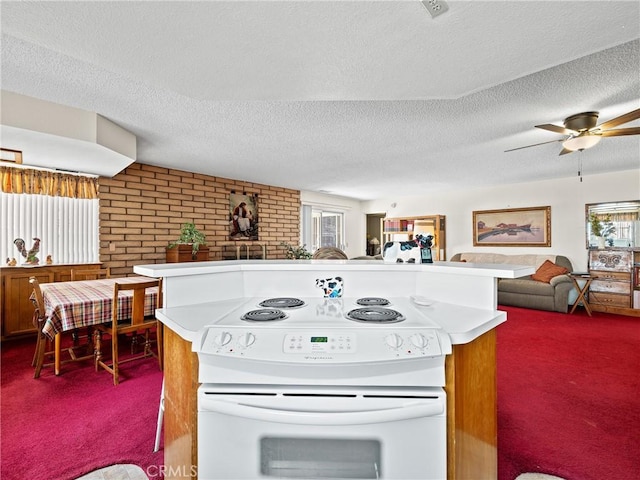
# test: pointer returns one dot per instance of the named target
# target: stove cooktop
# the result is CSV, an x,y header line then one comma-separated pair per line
x,y
311,312
317,343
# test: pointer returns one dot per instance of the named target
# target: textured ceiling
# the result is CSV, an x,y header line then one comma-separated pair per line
x,y
361,99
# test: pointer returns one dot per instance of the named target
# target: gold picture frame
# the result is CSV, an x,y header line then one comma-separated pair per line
x,y
512,227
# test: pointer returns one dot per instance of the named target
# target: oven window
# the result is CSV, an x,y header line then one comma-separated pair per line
x,y
319,458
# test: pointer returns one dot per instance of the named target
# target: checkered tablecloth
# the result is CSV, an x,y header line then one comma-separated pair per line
x,y
70,305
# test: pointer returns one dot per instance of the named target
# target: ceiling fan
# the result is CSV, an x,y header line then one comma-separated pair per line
x,y
582,131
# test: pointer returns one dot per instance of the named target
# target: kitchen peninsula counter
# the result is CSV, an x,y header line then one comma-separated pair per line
x,y
464,304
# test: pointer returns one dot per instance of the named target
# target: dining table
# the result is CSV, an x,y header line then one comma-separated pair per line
x,y
84,303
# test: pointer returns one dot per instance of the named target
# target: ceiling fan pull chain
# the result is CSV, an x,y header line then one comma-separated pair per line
x,y
580,167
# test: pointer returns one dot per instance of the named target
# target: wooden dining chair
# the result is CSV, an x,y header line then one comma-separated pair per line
x,y
137,323
90,274
44,348
39,319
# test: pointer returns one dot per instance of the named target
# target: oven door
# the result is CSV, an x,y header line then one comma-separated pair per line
x,y
324,432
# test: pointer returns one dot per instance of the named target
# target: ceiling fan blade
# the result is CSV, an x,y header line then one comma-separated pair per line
x,y
627,117
565,151
618,132
536,144
556,129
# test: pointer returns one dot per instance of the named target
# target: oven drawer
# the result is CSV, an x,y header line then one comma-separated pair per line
x,y
328,433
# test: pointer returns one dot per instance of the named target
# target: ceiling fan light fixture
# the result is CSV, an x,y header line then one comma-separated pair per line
x,y
581,142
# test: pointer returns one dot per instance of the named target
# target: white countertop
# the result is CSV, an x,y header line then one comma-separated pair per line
x,y
167,270
463,324
464,294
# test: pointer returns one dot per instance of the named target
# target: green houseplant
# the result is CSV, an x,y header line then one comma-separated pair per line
x,y
602,228
296,252
596,227
190,235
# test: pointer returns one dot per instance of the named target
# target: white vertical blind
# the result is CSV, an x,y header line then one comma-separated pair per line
x,y
67,227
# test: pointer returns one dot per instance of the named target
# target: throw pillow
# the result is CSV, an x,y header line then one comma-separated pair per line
x,y
547,271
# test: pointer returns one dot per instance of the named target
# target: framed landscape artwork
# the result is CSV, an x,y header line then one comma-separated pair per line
x,y
512,227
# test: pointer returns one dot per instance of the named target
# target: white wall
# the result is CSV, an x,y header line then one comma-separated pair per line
x,y
566,196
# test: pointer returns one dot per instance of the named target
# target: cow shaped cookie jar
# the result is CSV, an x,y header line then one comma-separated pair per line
x,y
332,287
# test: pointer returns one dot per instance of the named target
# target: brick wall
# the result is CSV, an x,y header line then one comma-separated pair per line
x,y
143,208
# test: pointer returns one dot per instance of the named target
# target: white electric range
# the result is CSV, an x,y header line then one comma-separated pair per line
x,y
318,387
315,340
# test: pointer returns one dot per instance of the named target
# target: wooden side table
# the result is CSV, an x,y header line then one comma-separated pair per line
x,y
582,290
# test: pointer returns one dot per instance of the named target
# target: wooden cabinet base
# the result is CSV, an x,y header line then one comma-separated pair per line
x,y
180,407
631,312
472,410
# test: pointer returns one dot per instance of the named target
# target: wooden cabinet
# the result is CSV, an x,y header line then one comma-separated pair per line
x,y
180,406
406,228
16,310
614,282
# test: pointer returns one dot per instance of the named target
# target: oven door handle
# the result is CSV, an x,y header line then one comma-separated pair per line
x,y
406,412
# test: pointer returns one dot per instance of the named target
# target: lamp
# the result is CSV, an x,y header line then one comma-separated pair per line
x,y
582,141
374,246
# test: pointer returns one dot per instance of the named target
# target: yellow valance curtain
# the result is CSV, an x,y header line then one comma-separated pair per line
x,y
41,182
618,217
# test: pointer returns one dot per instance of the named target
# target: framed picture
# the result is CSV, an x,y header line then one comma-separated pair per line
x,y
513,227
243,217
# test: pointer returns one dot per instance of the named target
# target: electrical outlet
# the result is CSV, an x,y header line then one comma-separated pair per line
x,y
435,7
112,247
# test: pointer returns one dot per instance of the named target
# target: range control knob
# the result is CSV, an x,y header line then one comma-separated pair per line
x,y
394,340
418,340
246,339
222,339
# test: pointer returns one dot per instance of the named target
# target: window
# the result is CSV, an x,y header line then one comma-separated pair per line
x,y
62,211
322,228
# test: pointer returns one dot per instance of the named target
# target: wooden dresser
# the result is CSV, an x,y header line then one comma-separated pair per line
x,y
614,281
16,310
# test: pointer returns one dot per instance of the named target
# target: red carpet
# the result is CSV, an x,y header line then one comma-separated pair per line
x,y
569,395
568,405
64,427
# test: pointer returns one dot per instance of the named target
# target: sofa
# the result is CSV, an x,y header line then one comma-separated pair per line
x,y
539,291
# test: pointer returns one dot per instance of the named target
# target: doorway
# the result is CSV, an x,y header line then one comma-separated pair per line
x,y
374,233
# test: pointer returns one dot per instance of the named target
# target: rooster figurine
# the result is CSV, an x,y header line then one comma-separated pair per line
x,y
21,248
30,255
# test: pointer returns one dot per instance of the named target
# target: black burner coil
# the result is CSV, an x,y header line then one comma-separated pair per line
x,y
375,315
264,315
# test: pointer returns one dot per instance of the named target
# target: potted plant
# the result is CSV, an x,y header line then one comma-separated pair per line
x,y
296,252
601,229
608,228
192,241
596,227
